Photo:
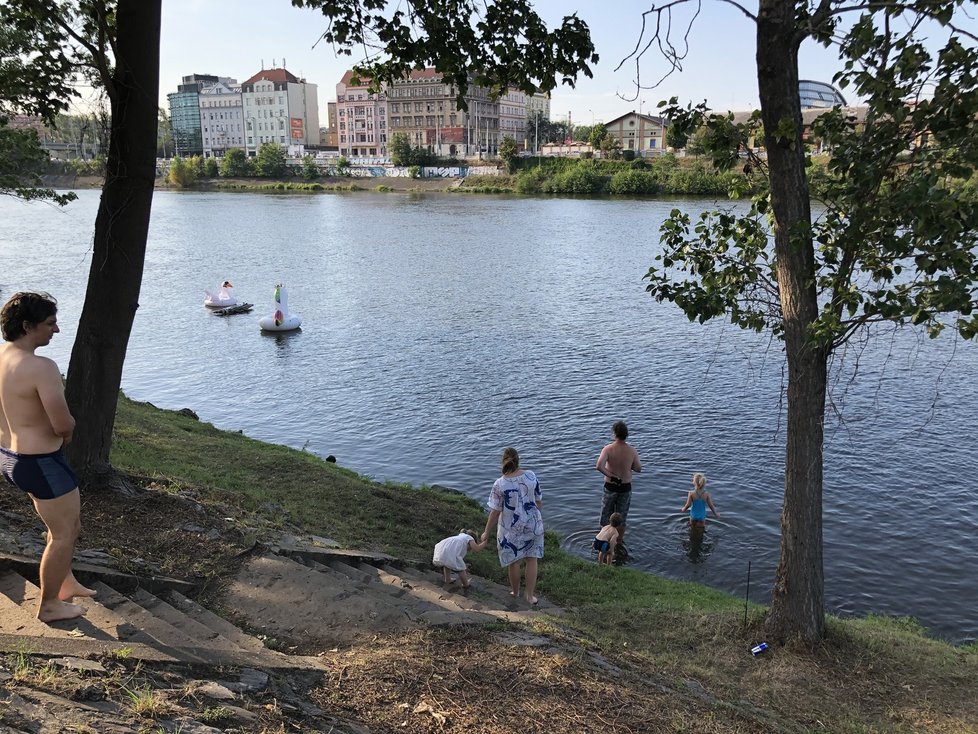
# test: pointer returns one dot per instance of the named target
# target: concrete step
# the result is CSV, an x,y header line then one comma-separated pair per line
x,y
98,623
287,599
474,599
413,604
166,634
217,623
203,635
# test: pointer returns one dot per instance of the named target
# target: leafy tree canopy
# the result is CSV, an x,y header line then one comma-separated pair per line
x,y
270,161
509,151
498,44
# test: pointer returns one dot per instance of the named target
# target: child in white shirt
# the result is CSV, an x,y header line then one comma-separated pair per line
x,y
450,555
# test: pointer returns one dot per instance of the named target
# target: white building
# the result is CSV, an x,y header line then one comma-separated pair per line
x,y
512,116
278,107
221,121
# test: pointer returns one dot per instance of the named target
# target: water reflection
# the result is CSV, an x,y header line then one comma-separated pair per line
x,y
695,544
284,340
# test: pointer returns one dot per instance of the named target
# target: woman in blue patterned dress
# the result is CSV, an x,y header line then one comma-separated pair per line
x,y
514,508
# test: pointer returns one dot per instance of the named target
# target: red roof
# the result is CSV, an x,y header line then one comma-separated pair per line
x,y
281,76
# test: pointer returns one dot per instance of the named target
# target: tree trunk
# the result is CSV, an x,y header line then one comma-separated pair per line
x,y
121,227
797,607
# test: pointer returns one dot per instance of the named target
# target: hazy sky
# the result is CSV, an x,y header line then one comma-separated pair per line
x,y
235,37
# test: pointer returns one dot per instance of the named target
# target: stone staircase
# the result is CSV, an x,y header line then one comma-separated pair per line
x,y
331,597
296,596
137,624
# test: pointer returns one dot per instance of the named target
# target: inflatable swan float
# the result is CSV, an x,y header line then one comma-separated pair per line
x,y
222,299
281,319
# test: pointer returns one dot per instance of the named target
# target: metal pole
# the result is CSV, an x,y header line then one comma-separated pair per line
x,y
746,596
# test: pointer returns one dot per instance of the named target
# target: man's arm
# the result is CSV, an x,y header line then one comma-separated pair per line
x,y
602,462
636,464
51,392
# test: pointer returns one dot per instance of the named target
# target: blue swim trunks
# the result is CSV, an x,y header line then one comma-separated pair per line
x,y
43,476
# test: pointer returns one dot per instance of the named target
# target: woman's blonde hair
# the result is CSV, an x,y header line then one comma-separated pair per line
x,y
699,480
511,460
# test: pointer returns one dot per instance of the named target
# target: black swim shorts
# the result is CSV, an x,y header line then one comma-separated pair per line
x,y
43,476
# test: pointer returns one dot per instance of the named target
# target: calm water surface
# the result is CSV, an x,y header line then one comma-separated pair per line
x,y
439,329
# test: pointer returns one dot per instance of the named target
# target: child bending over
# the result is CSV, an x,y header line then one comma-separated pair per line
x,y
450,555
607,538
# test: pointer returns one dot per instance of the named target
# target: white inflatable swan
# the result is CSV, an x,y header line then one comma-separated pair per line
x,y
222,299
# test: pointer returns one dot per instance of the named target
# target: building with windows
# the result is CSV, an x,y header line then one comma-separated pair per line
x,y
332,137
361,120
185,114
819,95
221,120
278,107
512,116
424,108
538,104
644,134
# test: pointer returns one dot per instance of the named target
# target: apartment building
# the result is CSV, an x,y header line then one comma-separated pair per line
x,y
221,118
538,104
512,116
278,107
361,119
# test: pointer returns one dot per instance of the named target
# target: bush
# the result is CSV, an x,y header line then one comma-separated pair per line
x,y
235,163
210,168
531,181
582,179
628,154
181,173
634,183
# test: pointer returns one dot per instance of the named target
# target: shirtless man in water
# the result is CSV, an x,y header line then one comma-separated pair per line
x,y
617,461
35,426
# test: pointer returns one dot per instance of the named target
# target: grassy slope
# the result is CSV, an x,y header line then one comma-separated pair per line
x,y
870,675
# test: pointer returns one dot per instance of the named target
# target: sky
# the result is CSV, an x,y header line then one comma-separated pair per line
x,y
236,38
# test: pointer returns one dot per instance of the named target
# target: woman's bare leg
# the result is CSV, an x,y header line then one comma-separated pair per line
x,y
531,579
514,578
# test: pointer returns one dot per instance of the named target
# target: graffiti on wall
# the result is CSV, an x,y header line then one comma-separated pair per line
x,y
405,172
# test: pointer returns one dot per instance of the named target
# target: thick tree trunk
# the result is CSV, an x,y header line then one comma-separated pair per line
x,y
797,607
121,227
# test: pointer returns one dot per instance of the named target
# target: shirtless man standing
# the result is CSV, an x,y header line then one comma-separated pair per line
x,y
35,426
617,461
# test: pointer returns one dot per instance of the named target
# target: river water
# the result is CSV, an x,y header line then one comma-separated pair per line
x,y
438,329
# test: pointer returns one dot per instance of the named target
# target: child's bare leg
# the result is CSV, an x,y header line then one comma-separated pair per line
x,y
446,574
464,577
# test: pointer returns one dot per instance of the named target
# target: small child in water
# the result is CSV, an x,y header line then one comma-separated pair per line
x,y
450,555
607,538
697,501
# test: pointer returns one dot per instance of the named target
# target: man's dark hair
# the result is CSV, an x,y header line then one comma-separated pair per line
x,y
620,429
26,306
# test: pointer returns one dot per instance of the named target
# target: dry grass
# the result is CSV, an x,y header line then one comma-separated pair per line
x,y
466,680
